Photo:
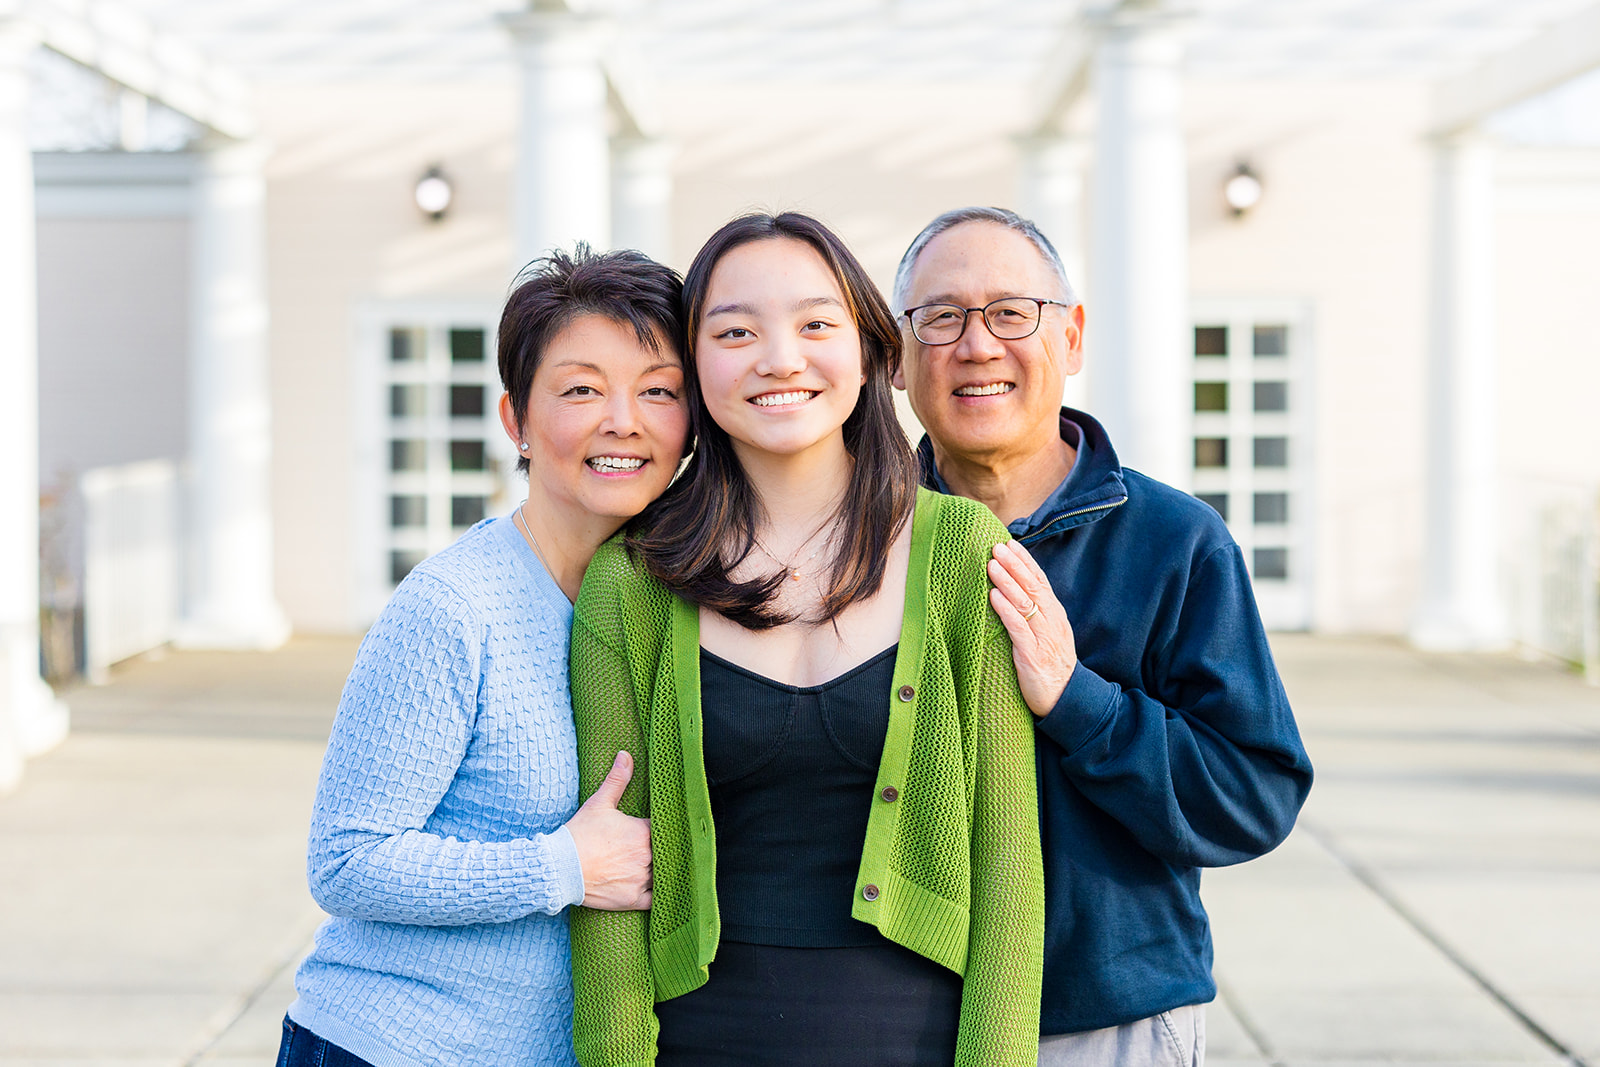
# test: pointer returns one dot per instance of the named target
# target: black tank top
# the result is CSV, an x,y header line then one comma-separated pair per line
x,y
791,771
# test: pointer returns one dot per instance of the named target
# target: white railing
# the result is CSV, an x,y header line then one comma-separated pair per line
x,y
130,566
1557,577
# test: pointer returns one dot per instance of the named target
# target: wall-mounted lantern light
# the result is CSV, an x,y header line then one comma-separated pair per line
x,y
1242,190
434,193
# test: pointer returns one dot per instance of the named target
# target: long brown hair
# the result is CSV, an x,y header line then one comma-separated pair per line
x,y
705,524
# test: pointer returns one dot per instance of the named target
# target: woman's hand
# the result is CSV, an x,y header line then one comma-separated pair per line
x,y
613,848
1041,635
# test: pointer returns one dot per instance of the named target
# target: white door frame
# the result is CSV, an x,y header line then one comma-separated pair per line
x,y
373,537
1286,604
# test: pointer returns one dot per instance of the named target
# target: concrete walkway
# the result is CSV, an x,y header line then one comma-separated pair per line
x,y
1439,903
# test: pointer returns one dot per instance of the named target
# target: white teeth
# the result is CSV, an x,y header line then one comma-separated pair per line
x,y
615,463
985,390
772,400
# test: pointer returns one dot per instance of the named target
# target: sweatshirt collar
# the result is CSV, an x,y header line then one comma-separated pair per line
x,y
1090,490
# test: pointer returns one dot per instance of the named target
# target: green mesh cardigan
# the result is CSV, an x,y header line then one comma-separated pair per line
x,y
951,866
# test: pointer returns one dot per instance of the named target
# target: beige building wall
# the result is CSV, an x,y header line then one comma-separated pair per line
x,y
1343,227
344,232
344,235
1549,270
1547,232
113,343
874,162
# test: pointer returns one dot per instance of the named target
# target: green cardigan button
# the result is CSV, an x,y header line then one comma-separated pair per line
x,y
890,794
869,892
907,692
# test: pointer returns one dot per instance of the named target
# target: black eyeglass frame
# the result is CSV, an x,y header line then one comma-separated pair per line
x,y
984,315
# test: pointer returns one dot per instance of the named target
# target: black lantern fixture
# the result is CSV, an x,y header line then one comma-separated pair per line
x,y
434,193
1242,190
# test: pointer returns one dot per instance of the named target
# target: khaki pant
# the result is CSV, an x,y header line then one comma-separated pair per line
x,y
1175,1038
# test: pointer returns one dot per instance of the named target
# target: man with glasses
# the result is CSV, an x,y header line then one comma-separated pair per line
x,y
1165,741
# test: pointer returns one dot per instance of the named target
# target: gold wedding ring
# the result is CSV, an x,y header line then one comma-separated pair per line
x,y
1031,612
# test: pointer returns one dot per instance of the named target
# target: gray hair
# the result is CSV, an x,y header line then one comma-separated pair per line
x,y
1000,217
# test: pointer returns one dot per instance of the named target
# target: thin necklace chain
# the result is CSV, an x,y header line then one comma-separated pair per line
x,y
520,520
794,568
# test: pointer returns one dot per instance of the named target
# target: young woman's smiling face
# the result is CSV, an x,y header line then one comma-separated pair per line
x,y
778,354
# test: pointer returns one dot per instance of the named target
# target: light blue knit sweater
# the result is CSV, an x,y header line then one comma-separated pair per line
x,y
437,842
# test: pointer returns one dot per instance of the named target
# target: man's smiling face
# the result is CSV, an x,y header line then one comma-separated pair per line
x,y
982,398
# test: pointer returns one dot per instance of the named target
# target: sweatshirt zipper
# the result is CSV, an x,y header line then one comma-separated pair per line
x,y
1117,503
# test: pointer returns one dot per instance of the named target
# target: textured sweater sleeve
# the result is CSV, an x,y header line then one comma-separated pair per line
x,y
1001,987
1203,765
405,722
614,1022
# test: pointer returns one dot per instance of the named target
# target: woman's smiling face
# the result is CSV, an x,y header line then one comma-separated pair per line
x,y
606,421
778,354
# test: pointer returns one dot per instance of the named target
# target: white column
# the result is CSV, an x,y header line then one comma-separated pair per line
x,y
563,182
230,601
31,719
1140,267
1051,193
641,196
1461,606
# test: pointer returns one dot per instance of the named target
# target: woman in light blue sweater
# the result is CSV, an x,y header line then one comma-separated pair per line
x,y
446,839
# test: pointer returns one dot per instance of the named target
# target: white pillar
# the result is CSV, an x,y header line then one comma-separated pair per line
x,y
1461,606
562,184
1052,194
31,719
641,196
229,601
1135,337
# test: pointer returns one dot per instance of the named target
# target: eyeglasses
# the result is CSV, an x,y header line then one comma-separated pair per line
x,y
1011,318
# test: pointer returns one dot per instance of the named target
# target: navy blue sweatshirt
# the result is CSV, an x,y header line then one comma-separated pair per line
x,y
1171,749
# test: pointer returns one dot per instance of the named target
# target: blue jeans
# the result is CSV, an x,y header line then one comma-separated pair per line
x,y
302,1048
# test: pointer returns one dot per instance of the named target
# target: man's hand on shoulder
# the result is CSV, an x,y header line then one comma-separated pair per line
x,y
1041,634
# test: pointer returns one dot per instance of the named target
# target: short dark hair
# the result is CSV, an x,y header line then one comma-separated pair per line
x,y
627,287
705,524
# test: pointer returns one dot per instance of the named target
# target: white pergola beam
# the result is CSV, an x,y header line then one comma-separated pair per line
x,y
635,112
1064,80
126,49
1557,54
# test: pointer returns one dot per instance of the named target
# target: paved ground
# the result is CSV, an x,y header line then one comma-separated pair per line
x,y
1439,903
